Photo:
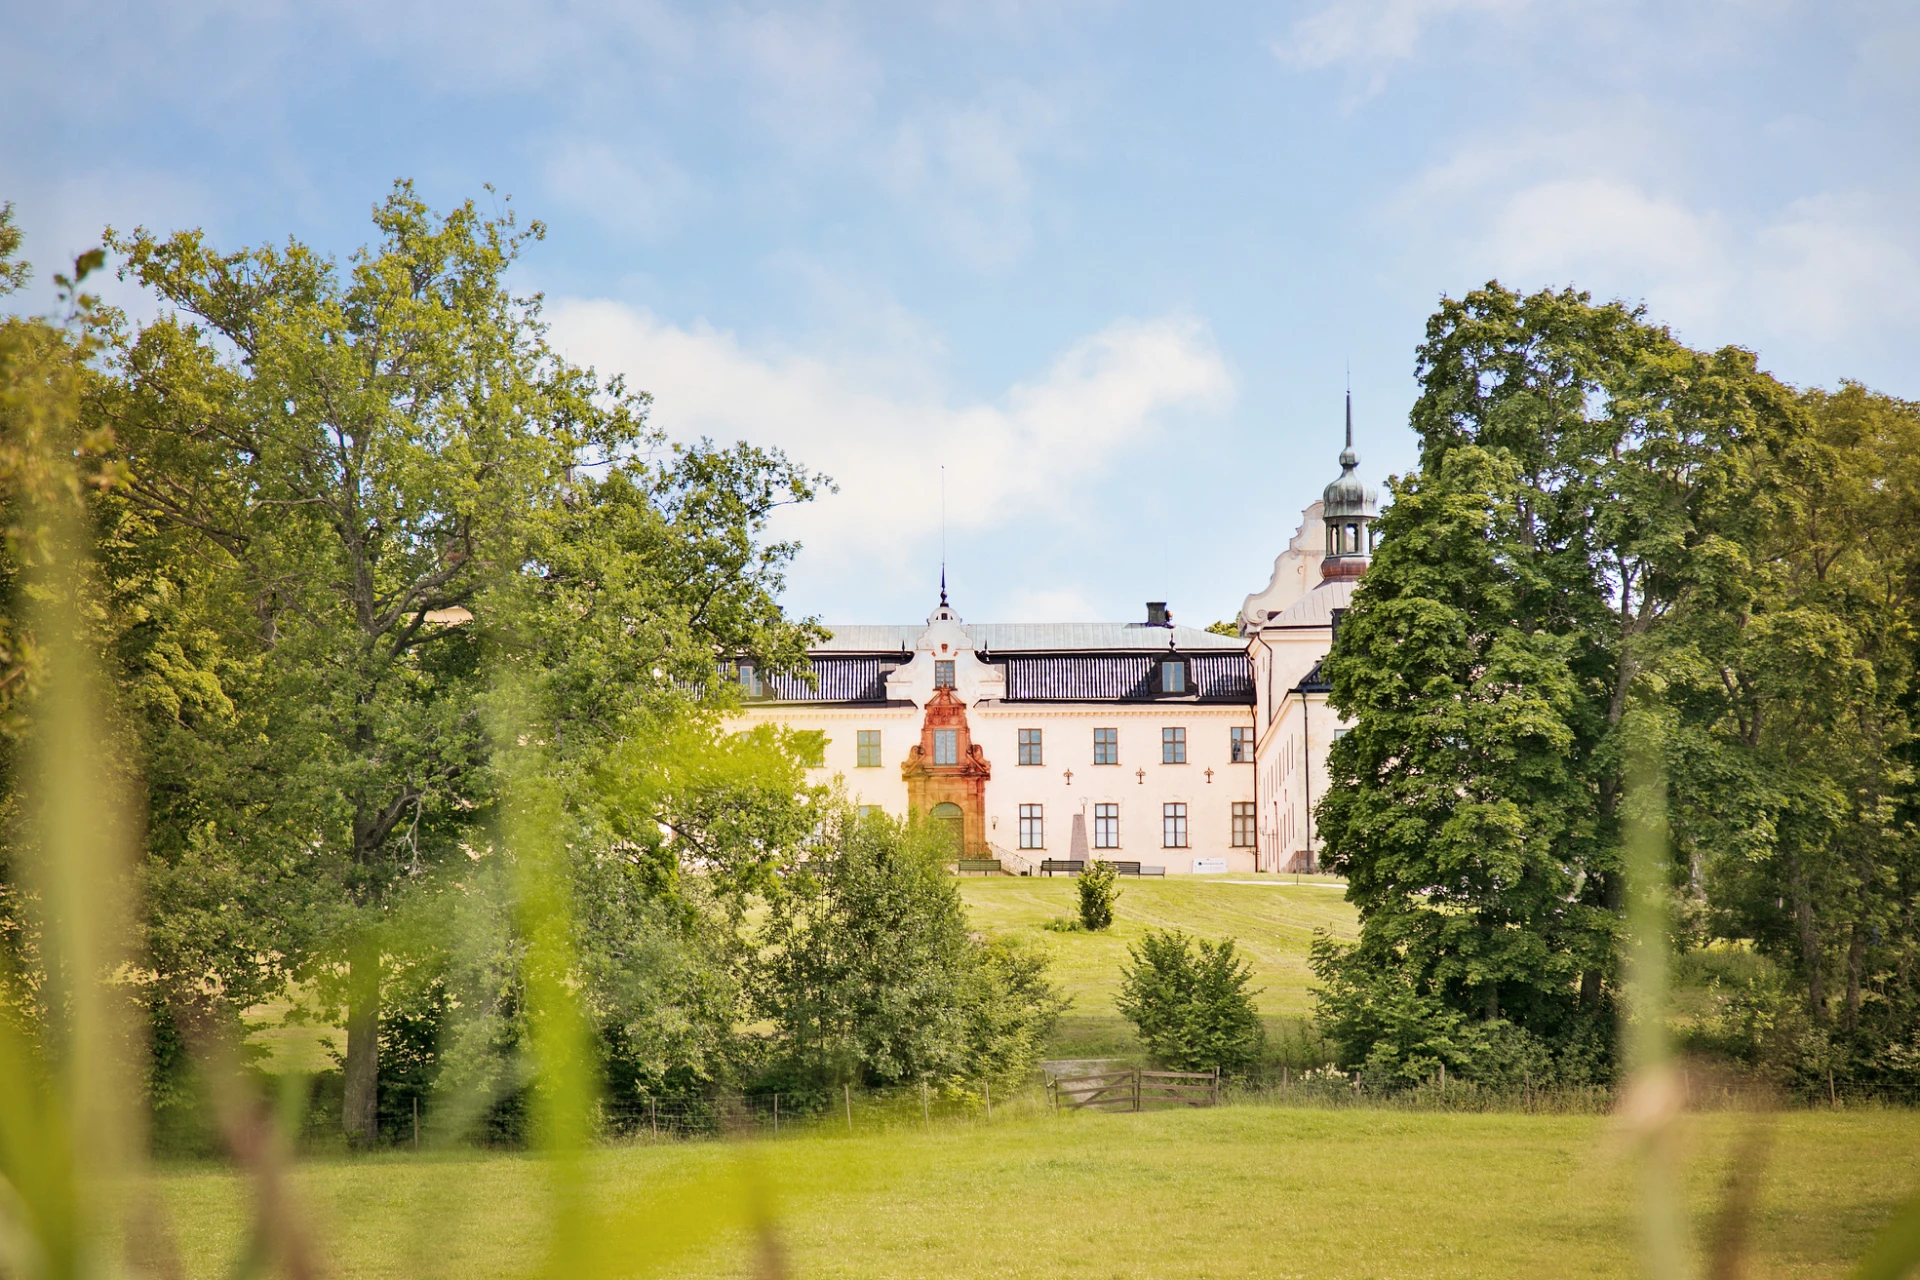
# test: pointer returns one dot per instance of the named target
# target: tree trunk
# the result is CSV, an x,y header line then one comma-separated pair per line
x,y
1810,957
361,1112
1590,987
1856,959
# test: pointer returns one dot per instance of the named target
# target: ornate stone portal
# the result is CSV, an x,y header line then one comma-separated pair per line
x,y
947,774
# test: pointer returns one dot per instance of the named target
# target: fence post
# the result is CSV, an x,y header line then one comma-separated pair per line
x,y
926,1116
776,1115
653,1115
849,1094
1213,1096
989,1087
1136,1088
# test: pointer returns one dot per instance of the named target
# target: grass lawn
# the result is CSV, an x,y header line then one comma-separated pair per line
x,y
1272,918
1240,1191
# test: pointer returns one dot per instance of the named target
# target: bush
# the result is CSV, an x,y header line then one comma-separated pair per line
x,y
869,974
1097,895
1188,999
1398,1036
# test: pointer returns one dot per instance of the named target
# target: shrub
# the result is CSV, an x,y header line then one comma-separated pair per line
x,y
1188,999
1097,895
869,974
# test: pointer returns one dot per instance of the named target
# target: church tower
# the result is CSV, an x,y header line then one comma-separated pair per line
x,y
1348,507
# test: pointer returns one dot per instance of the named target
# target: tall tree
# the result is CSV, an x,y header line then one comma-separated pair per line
x,y
1581,475
394,472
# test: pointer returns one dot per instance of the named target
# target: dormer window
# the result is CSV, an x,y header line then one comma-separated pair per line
x,y
1173,676
750,684
943,675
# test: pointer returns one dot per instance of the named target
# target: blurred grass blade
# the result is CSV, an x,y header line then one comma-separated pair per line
x,y
1652,1103
69,1134
1896,1252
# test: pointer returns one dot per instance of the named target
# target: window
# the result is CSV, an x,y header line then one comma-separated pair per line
x,y
1106,826
867,746
1242,824
1173,826
1106,746
867,811
750,685
1243,744
1173,746
943,675
1173,677
1033,833
1030,748
946,746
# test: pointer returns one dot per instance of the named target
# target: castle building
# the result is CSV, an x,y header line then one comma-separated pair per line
x,y
1289,627
1128,742
1173,748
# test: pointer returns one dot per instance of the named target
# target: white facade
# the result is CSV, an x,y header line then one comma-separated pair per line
x,y
1113,765
1289,627
1072,728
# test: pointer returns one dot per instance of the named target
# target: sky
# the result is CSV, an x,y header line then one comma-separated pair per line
x,y
1110,265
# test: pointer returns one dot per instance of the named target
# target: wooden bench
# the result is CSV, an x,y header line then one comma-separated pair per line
x,y
1068,866
1125,868
1153,871
985,866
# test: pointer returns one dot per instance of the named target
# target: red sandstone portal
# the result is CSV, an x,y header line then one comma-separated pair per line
x,y
947,772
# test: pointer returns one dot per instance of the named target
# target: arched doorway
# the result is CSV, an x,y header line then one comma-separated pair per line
x,y
949,826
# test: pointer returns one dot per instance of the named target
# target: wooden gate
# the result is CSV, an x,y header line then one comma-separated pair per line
x,y
1134,1090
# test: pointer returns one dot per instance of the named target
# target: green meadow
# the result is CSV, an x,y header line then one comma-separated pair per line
x,y
1272,918
1242,1191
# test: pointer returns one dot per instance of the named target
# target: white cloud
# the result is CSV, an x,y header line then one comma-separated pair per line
x,y
1601,209
1031,455
965,170
1372,33
635,189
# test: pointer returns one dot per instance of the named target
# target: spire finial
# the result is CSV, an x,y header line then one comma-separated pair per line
x,y
943,584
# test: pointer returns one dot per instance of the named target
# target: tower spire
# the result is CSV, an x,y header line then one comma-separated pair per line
x,y
1349,417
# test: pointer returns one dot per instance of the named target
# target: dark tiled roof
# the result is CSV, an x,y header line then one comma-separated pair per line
x,y
838,679
1122,678
1223,677
1314,681
1037,637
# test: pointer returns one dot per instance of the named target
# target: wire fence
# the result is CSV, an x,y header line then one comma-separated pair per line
x,y
848,1110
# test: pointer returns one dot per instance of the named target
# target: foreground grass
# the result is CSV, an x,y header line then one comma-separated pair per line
x,y
1271,918
1241,1191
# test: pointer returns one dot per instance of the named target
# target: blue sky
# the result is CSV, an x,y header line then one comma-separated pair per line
x,y
1108,262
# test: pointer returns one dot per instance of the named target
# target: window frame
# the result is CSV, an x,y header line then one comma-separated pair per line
x,y
944,675
947,742
1030,746
1240,744
1033,826
1173,744
1243,825
1106,826
1175,667
1111,744
1173,824
865,741
747,674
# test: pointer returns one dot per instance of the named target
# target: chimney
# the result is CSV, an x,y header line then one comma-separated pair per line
x,y
1157,614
